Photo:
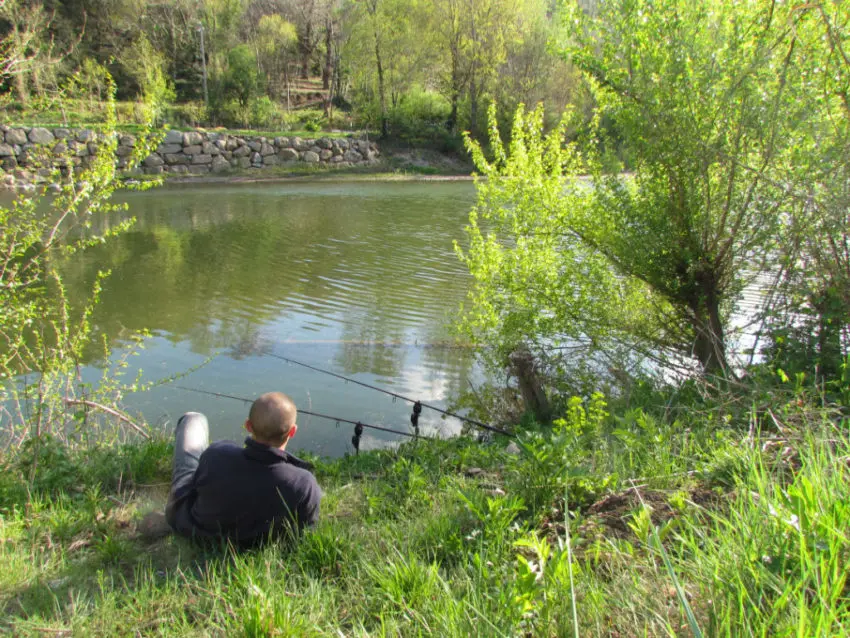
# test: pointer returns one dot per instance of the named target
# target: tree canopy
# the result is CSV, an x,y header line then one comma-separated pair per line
x,y
377,58
714,105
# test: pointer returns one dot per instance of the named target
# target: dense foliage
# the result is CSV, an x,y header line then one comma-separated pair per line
x,y
736,139
42,331
254,62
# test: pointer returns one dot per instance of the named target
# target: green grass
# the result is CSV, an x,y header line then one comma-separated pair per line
x,y
286,133
383,170
95,122
631,524
82,114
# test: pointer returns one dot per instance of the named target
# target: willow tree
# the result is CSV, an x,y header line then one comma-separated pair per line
x,y
701,96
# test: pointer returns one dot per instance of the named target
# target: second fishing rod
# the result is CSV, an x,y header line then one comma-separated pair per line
x,y
358,425
414,418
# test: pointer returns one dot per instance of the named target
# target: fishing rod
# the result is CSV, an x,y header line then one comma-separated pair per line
x,y
358,425
396,396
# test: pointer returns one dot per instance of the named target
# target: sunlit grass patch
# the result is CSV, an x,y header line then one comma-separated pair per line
x,y
630,525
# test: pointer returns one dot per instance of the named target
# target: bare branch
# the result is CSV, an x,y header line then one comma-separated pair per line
x,y
118,415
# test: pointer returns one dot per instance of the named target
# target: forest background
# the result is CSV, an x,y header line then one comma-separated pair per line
x,y
419,71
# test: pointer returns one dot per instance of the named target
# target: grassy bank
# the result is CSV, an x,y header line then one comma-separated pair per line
x,y
704,520
409,165
131,116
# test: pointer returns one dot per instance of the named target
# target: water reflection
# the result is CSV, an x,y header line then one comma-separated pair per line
x,y
356,277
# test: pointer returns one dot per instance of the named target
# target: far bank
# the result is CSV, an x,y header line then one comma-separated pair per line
x,y
32,156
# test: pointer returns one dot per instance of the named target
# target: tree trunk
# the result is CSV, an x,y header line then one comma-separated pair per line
x,y
35,82
173,36
381,90
473,107
21,89
305,48
451,124
337,76
524,367
286,84
327,71
710,343
473,86
828,305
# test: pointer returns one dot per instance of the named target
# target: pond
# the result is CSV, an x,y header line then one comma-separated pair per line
x,y
359,278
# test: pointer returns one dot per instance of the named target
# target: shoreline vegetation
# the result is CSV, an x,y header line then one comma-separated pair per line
x,y
731,517
387,168
391,166
31,157
343,175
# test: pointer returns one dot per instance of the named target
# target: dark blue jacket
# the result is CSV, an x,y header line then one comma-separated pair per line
x,y
247,494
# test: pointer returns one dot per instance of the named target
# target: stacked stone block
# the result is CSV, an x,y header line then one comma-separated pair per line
x,y
27,153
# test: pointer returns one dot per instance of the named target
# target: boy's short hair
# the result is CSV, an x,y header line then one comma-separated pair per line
x,y
272,415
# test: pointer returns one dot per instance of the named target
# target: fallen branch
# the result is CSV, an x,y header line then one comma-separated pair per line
x,y
108,410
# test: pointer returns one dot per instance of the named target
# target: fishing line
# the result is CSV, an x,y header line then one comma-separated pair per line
x,y
316,414
394,395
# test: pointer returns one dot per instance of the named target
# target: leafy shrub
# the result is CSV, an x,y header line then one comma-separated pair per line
x,y
126,112
559,460
307,119
87,83
265,113
230,113
313,125
419,119
146,66
242,80
420,108
187,114
260,113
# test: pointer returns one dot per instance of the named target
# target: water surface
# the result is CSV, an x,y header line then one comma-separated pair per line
x,y
356,277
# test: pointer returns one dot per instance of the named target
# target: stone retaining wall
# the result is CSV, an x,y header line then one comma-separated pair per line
x,y
26,154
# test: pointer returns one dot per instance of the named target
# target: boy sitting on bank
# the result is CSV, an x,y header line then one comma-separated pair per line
x,y
242,494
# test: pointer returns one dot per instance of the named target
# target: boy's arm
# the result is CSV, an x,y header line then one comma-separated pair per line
x,y
308,509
